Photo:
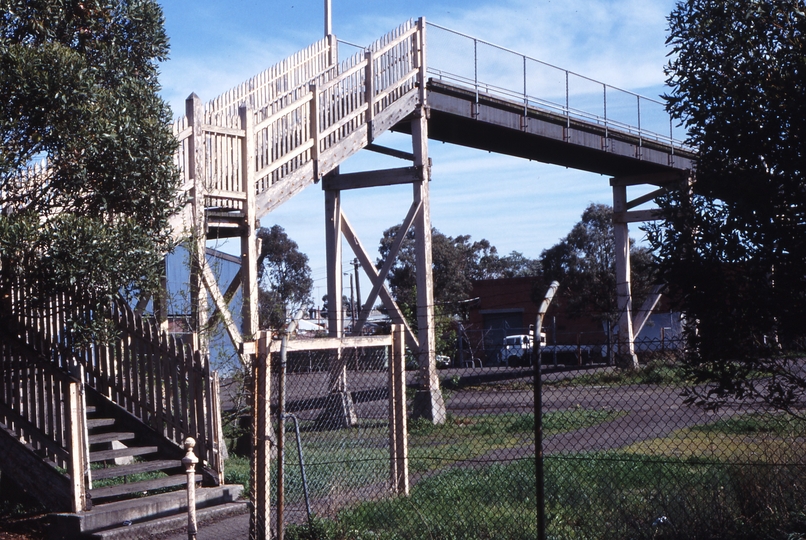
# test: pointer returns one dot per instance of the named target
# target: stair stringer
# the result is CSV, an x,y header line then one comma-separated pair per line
x,y
303,177
36,476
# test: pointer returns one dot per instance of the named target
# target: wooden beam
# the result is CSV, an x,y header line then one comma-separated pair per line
x,y
656,179
249,254
626,350
198,241
365,179
642,315
637,216
408,156
233,287
335,322
428,402
390,260
142,303
319,344
651,196
212,287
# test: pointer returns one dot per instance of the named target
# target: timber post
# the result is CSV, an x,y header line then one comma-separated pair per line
x,y
428,402
198,242
249,241
625,346
340,408
398,435
259,522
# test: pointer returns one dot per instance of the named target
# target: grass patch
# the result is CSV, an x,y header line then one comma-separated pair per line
x,y
656,372
471,437
780,425
343,460
237,470
755,438
608,495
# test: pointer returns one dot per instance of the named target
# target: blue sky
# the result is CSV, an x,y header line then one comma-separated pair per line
x,y
516,204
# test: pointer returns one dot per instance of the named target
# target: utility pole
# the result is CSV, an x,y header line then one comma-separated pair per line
x,y
328,18
352,303
356,264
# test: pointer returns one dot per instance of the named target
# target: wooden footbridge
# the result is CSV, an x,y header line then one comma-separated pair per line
x,y
245,153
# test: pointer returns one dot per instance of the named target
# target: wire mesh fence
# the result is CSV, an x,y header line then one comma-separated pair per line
x,y
623,454
588,450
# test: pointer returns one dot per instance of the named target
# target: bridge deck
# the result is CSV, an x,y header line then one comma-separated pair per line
x,y
499,125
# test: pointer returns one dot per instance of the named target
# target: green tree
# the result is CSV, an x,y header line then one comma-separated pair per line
x,y
284,277
733,245
584,262
78,88
457,261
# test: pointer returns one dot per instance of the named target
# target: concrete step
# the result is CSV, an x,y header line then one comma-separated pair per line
x,y
135,468
115,515
104,455
111,436
178,521
139,487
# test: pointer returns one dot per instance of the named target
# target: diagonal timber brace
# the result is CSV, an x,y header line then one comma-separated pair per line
x,y
220,302
378,283
414,211
642,315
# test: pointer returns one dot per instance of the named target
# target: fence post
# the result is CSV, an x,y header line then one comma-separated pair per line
x,y
261,442
79,443
189,461
315,128
369,83
398,434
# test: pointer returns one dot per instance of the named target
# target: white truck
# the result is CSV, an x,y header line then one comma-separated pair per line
x,y
517,349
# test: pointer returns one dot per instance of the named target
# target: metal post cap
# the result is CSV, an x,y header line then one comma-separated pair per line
x,y
190,458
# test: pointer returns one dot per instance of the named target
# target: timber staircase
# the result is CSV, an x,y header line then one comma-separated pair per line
x,y
95,433
287,127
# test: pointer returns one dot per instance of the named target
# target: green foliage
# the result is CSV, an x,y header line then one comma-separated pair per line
x,y
456,263
584,262
237,470
732,245
78,87
285,277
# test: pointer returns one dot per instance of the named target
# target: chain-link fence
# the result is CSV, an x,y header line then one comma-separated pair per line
x,y
623,454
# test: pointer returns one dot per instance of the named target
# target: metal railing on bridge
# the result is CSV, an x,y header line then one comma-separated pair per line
x,y
492,70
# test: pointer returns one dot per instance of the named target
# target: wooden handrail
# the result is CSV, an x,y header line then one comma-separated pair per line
x,y
147,372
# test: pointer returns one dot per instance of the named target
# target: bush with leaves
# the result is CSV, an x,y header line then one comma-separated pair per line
x,y
733,243
78,88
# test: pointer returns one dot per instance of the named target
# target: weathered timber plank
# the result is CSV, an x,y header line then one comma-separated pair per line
x,y
335,343
139,487
135,468
98,438
365,179
104,455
